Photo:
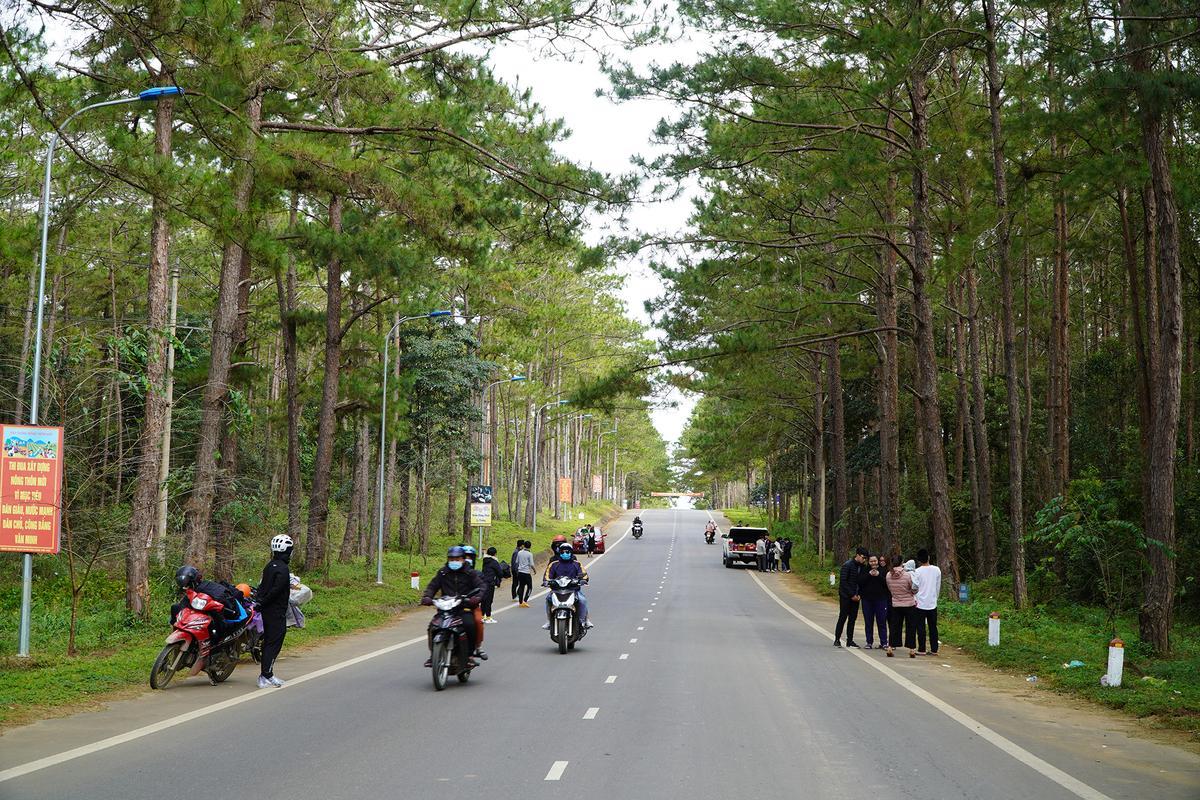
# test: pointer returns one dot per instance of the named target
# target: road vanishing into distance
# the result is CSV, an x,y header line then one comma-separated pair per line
x,y
698,683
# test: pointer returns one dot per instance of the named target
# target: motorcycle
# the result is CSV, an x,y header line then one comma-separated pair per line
x,y
565,629
710,536
190,646
637,530
449,647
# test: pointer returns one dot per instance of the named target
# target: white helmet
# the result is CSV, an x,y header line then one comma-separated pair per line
x,y
281,543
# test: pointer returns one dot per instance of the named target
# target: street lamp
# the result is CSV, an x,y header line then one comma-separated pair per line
x,y
537,435
599,444
145,95
485,447
383,426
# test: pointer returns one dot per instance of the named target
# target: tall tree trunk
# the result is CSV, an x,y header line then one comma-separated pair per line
x,y
285,289
355,508
144,506
926,351
819,461
1016,507
983,456
199,508
889,386
837,451
403,506
318,501
1155,615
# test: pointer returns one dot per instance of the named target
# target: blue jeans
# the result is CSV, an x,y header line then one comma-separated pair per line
x,y
875,614
580,604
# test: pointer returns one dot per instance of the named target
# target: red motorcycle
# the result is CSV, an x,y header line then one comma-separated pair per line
x,y
190,646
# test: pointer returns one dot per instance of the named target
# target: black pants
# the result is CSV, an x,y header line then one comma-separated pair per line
x,y
489,595
762,562
524,586
787,563
274,629
902,617
927,616
847,617
513,583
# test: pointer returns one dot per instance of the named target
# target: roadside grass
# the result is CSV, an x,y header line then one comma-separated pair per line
x,y
115,651
1042,639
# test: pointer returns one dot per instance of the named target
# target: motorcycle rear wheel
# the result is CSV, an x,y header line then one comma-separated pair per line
x,y
561,629
166,665
439,657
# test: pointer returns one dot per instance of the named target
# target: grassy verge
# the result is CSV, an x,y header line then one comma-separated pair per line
x,y
115,651
1041,640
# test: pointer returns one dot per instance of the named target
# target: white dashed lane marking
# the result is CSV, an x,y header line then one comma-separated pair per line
x,y
556,771
611,679
623,656
591,713
633,641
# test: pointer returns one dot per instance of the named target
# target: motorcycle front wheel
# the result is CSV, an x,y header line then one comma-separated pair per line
x,y
166,665
439,657
561,630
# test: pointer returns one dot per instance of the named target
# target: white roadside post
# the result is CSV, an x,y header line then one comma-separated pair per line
x,y
1116,661
994,629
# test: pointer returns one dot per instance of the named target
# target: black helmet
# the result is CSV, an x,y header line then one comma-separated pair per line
x,y
186,577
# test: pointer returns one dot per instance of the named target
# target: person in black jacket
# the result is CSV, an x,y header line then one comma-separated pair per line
x,y
456,579
512,563
273,592
493,576
876,600
848,597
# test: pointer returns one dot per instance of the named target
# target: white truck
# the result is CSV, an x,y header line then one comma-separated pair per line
x,y
738,545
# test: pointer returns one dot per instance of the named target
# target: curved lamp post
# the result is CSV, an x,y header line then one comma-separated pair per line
x,y
537,435
146,95
383,427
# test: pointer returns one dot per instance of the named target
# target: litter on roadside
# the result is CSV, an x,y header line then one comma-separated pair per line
x,y
1031,679
1073,664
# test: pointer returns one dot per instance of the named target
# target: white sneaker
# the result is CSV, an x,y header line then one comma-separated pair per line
x,y
264,683
275,681
588,624
489,620
545,626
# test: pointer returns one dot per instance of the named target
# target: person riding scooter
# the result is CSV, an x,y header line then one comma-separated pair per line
x,y
564,564
457,579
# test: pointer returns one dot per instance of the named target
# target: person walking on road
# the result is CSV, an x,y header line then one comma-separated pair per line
x,y
848,597
929,585
512,565
902,615
760,550
875,596
524,574
273,592
493,576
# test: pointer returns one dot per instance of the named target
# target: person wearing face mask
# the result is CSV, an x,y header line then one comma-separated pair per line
x,y
565,565
273,592
456,579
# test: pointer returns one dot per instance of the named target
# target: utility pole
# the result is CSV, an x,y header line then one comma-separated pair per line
x,y
164,464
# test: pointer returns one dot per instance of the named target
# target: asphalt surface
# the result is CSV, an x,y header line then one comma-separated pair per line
x,y
698,682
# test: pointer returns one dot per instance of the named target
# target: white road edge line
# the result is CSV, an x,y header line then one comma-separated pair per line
x,y
556,771
179,719
591,713
1068,782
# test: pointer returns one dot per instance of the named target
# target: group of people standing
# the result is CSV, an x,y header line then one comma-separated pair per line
x,y
774,555
898,599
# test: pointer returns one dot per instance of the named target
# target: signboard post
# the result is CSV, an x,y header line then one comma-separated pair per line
x,y
30,488
564,490
481,510
597,485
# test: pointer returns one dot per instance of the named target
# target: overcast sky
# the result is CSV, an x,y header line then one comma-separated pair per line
x,y
607,135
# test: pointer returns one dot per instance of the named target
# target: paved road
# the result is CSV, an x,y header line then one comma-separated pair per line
x,y
698,682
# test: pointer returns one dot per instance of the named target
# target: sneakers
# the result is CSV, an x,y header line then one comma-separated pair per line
x,y
837,642
851,644
275,682
481,655
545,626
524,605
869,646
428,663
588,624
264,683
490,620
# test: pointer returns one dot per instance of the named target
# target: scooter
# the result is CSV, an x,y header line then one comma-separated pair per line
x,y
637,531
565,628
449,646
190,645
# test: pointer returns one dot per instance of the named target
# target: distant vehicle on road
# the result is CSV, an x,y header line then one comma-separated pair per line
x,y
738,546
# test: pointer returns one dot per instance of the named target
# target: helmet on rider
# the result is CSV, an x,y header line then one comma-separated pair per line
x,y
281,543
186,577
556,541
565,551
470,553
244,588
455,557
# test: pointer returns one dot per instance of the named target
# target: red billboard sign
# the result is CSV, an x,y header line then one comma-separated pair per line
x,y
30,488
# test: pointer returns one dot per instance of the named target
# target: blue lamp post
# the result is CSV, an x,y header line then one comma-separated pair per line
x,y
146,95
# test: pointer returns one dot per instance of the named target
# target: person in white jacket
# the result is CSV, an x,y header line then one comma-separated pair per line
x,y
929,585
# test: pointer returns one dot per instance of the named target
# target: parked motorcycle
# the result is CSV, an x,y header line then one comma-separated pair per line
x,y
190,645
637,530
565,628
449,646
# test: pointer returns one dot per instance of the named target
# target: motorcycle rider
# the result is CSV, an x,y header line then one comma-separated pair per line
x,y
456,579
564,564
273,592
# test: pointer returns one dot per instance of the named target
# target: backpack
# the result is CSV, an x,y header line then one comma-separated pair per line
x,y
505,570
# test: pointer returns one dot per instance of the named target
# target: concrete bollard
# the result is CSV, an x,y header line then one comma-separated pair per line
x,y
994,629
1116,661
832,579
415,579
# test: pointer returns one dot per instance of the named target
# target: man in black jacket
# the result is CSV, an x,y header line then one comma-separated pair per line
x,y
493,576
273,592
457,579
848,598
